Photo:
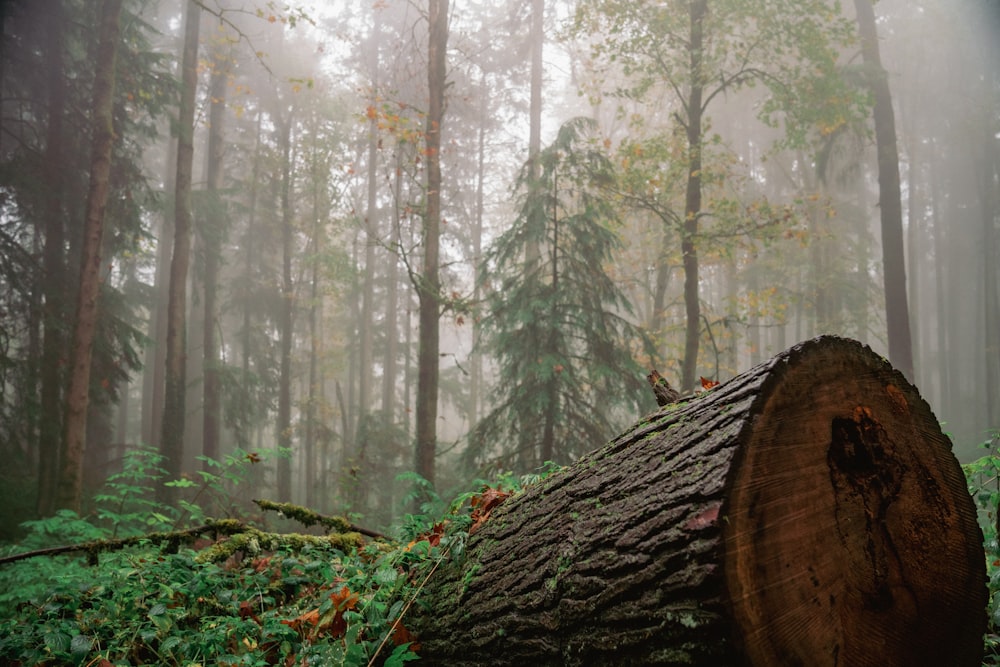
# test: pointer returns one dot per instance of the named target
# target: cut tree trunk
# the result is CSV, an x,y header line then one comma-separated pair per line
x,y
807,512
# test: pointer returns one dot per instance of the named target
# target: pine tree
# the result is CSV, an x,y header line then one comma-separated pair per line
x,y
558,331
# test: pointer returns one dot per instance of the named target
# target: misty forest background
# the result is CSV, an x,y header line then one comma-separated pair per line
x,y
348,240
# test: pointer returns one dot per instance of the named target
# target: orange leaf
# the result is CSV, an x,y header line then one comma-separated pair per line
x,y
305,624
403,636
371,112
483,504
344,599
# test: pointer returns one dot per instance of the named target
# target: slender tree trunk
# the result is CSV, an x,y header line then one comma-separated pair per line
x,y
536,38
476,362
429,285
692,199
392,303
546,449
890,202
312,391
212,234
285,324
54,268
309,441
155,366
990,173
943,337
70,487
172,438
367,333
249,262
660,293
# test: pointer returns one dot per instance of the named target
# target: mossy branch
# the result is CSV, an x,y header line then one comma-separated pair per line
x,y
308,517
171,539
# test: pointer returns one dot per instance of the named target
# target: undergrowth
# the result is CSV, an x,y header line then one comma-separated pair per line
x,y
279,599
983,475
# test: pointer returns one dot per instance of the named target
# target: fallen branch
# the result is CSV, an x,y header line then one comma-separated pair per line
x,y
173,539
308,517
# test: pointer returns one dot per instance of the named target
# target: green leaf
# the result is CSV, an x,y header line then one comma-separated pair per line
x,y
57,642
400,655
80,644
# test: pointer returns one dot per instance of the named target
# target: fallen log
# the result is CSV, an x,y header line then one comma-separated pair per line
x,y
807,512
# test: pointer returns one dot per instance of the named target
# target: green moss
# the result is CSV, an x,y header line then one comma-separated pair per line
x,y
251,542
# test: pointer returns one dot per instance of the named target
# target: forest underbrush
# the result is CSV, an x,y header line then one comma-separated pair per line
x,y
136,583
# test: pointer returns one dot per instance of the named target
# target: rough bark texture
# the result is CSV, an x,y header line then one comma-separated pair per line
x,y
70,486
54,333
807,512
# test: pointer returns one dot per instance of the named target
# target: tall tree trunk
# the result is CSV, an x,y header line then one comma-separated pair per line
x,y
942,274
536,38
172,438
476,362
212,233
392,303
154,374
367,334
70,485
249,262
692,199
309,441
808,512
546,449
429,285
658,306
312,391
285,322
54,269
890,202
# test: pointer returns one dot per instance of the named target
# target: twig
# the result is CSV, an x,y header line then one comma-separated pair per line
x,y
406,607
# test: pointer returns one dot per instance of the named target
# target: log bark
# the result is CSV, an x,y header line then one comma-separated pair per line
x,y
807,512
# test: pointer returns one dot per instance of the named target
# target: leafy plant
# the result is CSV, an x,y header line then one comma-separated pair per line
x,y
983,475
297,600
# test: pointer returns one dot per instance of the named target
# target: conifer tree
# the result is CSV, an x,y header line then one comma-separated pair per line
x,y
558,330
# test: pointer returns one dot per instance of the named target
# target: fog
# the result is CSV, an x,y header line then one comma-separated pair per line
x,y
301,330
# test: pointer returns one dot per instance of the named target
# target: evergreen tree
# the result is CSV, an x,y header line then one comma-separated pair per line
x,y
558,331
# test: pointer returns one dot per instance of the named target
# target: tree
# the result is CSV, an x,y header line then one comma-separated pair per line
x,y
705,49
285,321
897,312
85,322
558,331
212,231
429,283
172,439
54,266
